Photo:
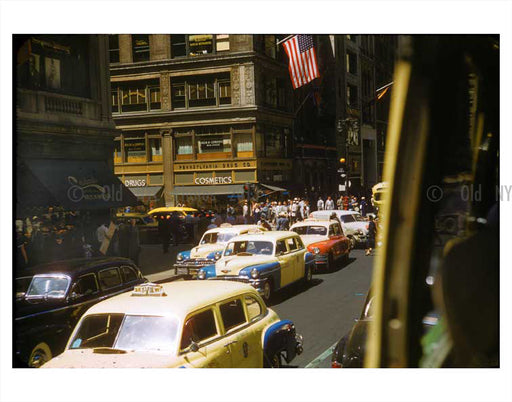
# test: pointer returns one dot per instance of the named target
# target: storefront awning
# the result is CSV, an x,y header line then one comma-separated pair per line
x,y
222,189
273,188
71,184
150,191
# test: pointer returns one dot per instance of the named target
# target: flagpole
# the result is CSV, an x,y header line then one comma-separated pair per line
x,y
302,104
285,39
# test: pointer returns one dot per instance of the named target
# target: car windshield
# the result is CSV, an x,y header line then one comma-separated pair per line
x,y
249,246
216,237
310,230
359,218
347,218
48,286
127,332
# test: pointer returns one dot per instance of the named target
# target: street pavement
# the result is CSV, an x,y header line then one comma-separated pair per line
x,y
326,310
322,312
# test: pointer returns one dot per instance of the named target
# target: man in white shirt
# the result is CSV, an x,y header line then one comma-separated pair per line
x,y
320,204
329,204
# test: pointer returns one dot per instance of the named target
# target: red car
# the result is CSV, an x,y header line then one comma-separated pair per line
x,y
325,240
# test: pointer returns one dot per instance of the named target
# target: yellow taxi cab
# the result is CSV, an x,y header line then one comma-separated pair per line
x,y
183,211
210,247
181,324
148,227
268,261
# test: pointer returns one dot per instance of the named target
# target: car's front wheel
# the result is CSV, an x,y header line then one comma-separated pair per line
x,y
309,275
40,355
275,361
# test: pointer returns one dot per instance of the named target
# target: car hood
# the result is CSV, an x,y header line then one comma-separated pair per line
x,y
310,239
233,265
87,358
353,226
203,250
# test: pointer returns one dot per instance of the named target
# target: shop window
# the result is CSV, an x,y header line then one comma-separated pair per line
x,y
184,148
213,146
140,47
156,149
135,149
243,146
351,63
113,48
222,43
200,44
178,46
117,151
352,100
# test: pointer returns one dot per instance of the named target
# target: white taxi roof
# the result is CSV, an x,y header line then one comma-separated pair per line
x,y
182,298
314,222
336,211
268,236
233,228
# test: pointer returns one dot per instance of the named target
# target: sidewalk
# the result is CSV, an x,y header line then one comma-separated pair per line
x,y
156,265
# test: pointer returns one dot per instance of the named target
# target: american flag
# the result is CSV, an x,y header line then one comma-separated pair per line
x,y
303,66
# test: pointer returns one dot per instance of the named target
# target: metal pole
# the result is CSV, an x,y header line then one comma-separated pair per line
x,y
284,40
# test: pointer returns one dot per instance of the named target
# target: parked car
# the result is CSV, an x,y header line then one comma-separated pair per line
x,y
59,293
353,224
350,351
324,239
210,247
148,227
268,261
181,324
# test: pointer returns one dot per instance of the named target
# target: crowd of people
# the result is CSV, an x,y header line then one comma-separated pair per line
x,y
54,236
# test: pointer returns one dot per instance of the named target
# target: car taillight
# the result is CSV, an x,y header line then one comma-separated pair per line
x,y
335,364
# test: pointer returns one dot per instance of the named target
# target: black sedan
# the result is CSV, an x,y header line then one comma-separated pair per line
x,y
50,298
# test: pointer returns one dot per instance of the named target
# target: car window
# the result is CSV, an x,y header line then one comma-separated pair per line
x,y
97,331
198,328
291,244
331,230
50,286
310,230
129,274
254,309
281,247
299,243
249,246
109,278
337,229
232,314
85,285
347,218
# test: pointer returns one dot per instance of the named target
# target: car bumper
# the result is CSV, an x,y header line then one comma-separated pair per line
x,y
191,267
256,283
321,260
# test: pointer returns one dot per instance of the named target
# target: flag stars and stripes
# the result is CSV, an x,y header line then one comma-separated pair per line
x,y
303,66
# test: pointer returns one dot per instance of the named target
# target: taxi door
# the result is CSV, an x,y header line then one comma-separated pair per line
x,y
240,341
299,260
285,261
202,342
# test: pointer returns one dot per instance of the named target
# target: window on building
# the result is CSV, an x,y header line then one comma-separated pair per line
x,y
222,43
200,44
113,48
352,100
351,62
243,146
136,96
178,46
201,91
140,47
115,100
135,148
270,46
281,94
271,91
155,145
184,148
117,151
273,142
216,146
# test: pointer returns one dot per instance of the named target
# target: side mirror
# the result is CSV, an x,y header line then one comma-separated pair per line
x,y
20,295
194,347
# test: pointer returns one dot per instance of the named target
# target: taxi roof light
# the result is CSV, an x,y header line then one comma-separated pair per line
x,y
148,289
226,225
